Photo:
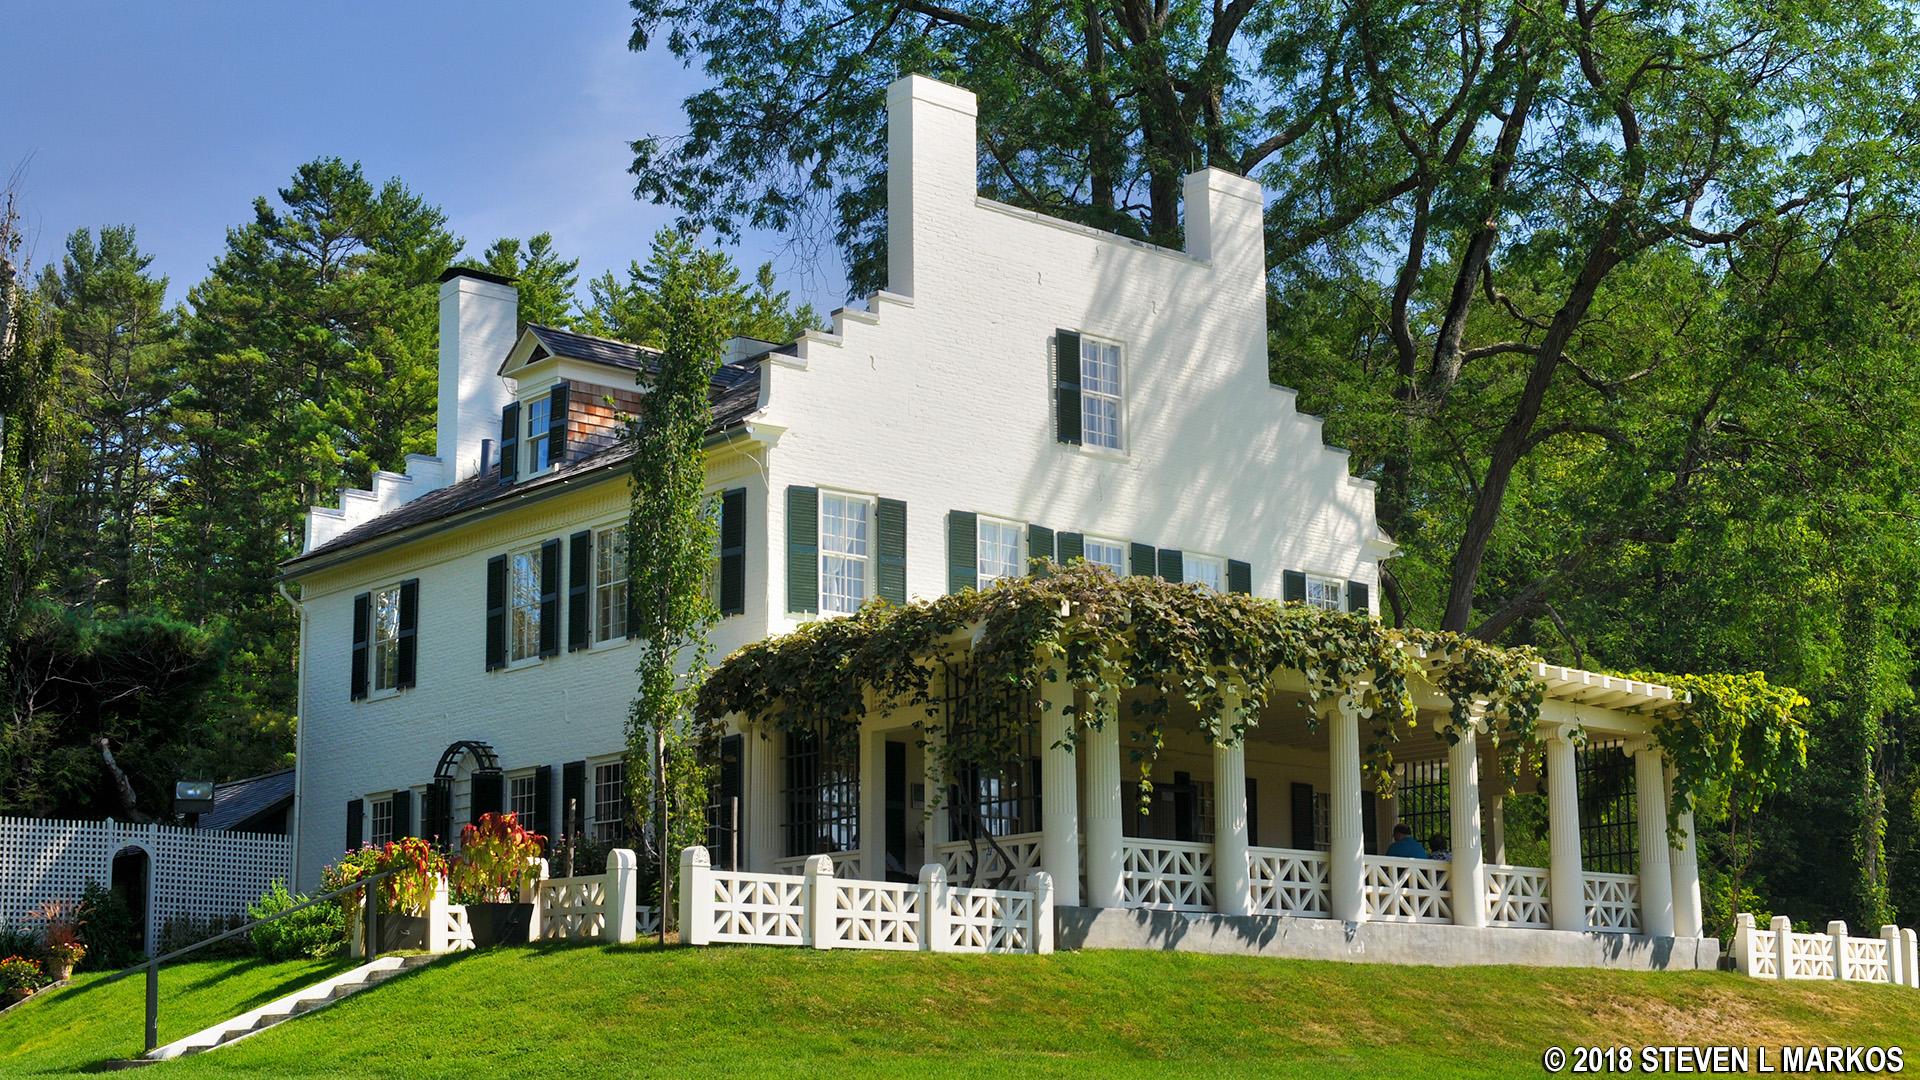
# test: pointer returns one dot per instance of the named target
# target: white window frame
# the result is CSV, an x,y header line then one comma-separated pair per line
x,y
375,805
528,778
1118,397
514,659
602,548
863,560
1118,545
542,440
1327,587
381,647
1191,559
980,526
598,827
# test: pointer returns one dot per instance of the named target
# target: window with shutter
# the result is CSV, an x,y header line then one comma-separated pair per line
x,y
402,812
1111,554
510,441
1293,586
890,533
1325,593
1208,570
382,822
1066,387
1040,544
997,550
1141,560
579,586
733,551
523,607
963,572
1357,598
558,411
1239,576
1068,546
550,598
356,835
573,797
846,540
1172,564
362,606
613,617
496,612
383,649
408,646
1101,406
803,549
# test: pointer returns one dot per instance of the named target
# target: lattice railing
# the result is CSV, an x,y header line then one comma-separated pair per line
x,y
459,929
1809,956
989,920
1777,952
573,909
1517,896
957,857
765,909
1408,890
1762,957
1288,882
1867,960
876,915
1613,903
1172,875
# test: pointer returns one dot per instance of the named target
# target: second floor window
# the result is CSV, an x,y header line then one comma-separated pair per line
x,y
539,412
846,574
1100,394
610,584
1111,554
523,583
386,639
1204,569
997,550
1324,593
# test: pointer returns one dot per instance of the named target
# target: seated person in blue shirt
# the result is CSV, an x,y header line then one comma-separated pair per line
x,y
1404,845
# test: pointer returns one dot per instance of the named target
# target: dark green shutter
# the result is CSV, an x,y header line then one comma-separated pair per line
x,y
488,789
963,559
733,552
1370,822
1173,564
542,801
1239,576
402,813
1039,543
1302,800
1357,598
550,598
509,441
890,528
1253,813
409,640
803,549
1293,586
573,797
580,590
496,612
362,617
1066,386
434,820
557,410
355,834
1140,560
1068,546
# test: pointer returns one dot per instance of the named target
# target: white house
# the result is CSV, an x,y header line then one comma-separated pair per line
x,y
1024,387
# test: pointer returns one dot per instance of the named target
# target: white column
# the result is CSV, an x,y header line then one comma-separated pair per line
x,y
1232,883
1045,893
1059,791
934,777
1566,880
1104,807
1469,869
1911,947
1345,869
696,895
1837,941
817,890
623,918
1896,956
1684,866
1656,868
762,811
873,806
1782,932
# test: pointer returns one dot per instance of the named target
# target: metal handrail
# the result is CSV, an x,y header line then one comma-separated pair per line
x,y
152,967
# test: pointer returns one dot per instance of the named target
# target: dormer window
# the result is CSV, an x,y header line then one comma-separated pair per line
x,y
539,432
533,433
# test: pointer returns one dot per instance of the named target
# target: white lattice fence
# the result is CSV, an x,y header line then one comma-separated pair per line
x,y
201,873
876,915
990,920
766,909
1172,875
1517,896
1867,959
598,907
1408,890
1809,956
1779,953
1287,882
1613,903
1023,848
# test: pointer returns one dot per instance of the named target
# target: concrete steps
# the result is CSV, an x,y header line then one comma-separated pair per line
x,y
299,1003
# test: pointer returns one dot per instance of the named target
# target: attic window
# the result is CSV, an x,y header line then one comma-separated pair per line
x,y
539,432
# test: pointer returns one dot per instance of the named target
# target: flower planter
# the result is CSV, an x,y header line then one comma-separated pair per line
x,y
499,924
60,970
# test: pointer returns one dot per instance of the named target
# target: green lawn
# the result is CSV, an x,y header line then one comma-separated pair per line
x,y
593,1012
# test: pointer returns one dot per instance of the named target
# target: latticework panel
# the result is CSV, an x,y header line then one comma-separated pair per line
x,y
1167,874
1517,896
1408,890
1287,882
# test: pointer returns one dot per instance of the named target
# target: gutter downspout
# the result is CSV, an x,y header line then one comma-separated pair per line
x,y
299,733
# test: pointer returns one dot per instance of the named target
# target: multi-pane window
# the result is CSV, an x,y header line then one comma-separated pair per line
x,y
822,795
1204,569
1325,593
539,427
609,800
610,584
1100,394
382,820
997,550
386,639
846,547
522,799
523,585
1322,821
1111,554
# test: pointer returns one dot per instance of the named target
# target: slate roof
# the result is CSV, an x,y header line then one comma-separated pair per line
x,y
237,801
601,350
736,394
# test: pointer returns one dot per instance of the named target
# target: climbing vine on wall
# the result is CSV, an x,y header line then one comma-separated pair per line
x,y
1738,738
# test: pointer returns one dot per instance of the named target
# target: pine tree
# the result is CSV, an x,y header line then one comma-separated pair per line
x,y
545,280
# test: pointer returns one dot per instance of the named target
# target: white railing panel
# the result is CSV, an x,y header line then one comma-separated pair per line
x,y
876,915
1868,960
1288,882
758,908
573,909
1613,903
1809,956
989,920
957,857
1408,890
1764,954
1517,896
1170,875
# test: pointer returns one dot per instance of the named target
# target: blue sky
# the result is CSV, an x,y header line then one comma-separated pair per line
x,y
513,117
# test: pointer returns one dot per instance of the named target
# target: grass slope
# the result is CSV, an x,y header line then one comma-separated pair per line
x,y
585,1011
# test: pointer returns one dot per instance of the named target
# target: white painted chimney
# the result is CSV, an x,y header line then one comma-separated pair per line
x,y
478,316
933,164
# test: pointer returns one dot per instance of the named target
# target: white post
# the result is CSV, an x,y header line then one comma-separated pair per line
x,y
934,917
1782,945
1232,877
533,892
936,809
1837,941
1656,869
1497,828
1910,945
1040,883
873,805
1347,848
1566,879
623,921
1743,932
1104,807
1469,869
1059,795
762,842
696,895
438,916
1684,864
817,895
1896,962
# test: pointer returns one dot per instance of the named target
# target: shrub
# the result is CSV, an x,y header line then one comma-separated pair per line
x,y
495,860
317,932
107,929
180,931
60,929
18,941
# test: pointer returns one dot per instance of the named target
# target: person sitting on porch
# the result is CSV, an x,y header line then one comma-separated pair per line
x,y
1404,845
1437,847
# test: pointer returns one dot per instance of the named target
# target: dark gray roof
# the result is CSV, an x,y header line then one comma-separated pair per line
x,y
237,801
736,394
601,350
